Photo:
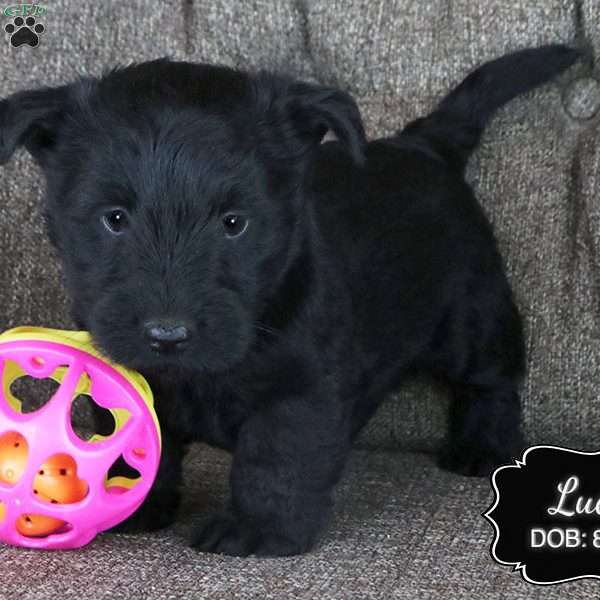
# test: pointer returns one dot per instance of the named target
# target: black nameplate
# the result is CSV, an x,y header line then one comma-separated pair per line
x,y
546,515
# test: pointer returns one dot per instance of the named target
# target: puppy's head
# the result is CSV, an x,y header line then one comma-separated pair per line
x,y
175,199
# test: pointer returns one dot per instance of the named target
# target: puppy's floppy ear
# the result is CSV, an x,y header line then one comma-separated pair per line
x,y
31,119
303,113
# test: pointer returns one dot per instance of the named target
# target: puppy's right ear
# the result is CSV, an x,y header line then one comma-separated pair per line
x,y
32,119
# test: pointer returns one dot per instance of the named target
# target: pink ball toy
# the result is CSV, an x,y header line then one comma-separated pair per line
x,y
52,480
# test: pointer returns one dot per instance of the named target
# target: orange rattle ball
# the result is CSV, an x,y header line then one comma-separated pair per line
x,y
56,482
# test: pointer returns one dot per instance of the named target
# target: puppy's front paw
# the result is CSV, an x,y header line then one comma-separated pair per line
x,y
148,518
225,533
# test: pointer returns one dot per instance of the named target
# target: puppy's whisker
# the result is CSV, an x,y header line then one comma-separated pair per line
x,y
266,329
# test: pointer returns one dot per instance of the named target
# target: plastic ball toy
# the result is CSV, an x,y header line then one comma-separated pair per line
x,y
55,489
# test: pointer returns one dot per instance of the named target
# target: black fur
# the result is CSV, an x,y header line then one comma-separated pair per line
x,y
361,262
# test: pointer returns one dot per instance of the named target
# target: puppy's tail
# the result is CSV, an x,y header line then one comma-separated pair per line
x,y
455,126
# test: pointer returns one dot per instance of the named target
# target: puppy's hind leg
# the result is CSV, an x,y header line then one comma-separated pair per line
x,y
484,428
485,412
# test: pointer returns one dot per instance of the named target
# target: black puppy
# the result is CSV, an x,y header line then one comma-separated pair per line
x,y
274,288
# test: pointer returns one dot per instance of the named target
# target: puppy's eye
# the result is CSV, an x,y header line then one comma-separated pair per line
x,y
116,220
234,225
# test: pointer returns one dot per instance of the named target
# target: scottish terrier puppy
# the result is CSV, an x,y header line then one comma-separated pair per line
x,y
235,238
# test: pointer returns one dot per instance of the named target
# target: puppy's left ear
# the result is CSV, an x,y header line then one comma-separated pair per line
x,y
31,119
302,114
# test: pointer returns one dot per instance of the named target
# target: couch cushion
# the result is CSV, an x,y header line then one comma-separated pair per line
x,y
535,173
587,18
402,529
415,49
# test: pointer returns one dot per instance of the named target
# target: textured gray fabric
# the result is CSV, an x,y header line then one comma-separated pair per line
x,y
402,530
421,48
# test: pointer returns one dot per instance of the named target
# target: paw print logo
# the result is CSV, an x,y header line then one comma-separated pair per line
x,y
24,31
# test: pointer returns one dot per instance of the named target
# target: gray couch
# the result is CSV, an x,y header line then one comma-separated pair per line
x,y
403,528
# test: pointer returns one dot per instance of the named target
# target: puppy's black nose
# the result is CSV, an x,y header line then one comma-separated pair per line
x,y
166,336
